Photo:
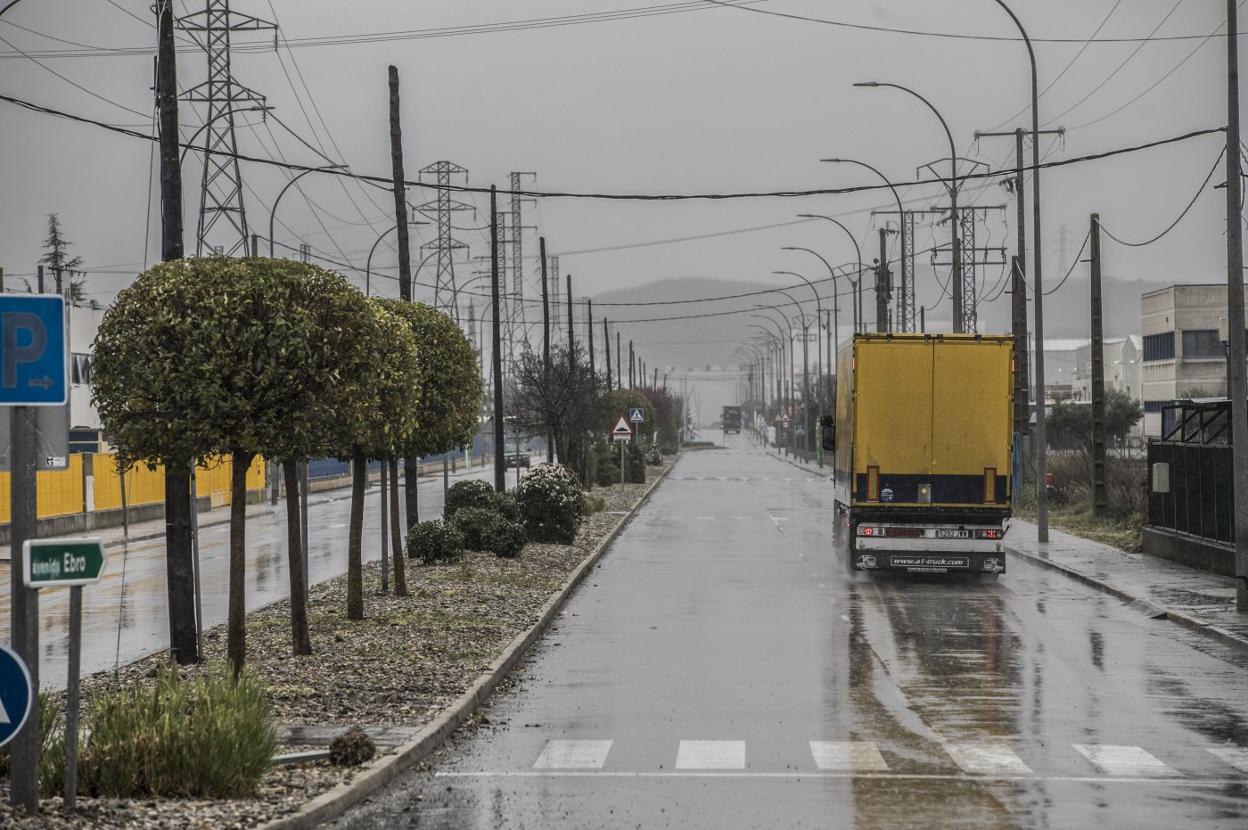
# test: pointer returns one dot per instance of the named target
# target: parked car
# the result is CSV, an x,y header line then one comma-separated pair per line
x,y
520,459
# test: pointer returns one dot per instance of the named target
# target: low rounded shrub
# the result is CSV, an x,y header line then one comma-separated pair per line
x,y
653,456
505,538
435,541
607,466
488,530
471,523
506,506
551,503
472,492
593,504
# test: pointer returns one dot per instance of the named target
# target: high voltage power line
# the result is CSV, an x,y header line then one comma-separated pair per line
x,y
606,196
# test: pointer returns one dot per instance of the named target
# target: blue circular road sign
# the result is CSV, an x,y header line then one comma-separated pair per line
x,y
15,694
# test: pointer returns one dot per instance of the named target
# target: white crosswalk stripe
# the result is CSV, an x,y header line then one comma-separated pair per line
x,y
1236,756
987,758
1113,759
711,755
573,755
856,756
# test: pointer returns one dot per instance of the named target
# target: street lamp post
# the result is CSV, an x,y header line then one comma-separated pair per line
x,y
792,368
819,366
906,276
282,192
776,343
958,323
1042,501
857,298
368,263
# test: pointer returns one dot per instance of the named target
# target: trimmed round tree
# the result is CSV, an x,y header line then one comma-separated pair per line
x,y
450,393
228,356
378,411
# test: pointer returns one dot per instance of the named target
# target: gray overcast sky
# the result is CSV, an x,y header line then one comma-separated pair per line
x,y
712,100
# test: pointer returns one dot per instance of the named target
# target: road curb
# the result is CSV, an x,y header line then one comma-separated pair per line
x,y
1186,620
335,802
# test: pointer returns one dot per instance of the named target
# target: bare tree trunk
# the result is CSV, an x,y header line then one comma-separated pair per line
x,y
355,552
396,533
301,641
179,562
411,472
237,626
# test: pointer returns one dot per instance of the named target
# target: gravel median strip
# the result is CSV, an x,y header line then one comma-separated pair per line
x,y
405,664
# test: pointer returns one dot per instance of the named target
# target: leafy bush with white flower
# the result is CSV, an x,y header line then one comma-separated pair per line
x,y
550,503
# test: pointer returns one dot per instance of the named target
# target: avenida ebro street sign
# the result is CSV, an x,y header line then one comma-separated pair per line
x,y
52,563
34,354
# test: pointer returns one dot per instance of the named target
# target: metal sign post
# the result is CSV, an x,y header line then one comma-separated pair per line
x,y
52,563
34,371
622,434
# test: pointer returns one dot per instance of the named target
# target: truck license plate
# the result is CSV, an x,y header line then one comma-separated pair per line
x,y
944,533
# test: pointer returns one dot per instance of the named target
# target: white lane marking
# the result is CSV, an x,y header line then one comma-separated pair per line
x,y
706,518
573,755
1114,759
861,756
1236,756
883,776
986,758
711,755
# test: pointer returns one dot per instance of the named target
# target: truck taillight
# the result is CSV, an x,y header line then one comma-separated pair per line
x,y
992,533
866,531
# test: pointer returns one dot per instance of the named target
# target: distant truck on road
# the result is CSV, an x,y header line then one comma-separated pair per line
x,y
731,419
923,437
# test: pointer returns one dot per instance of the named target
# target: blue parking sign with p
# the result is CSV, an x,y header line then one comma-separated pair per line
x,y
34,359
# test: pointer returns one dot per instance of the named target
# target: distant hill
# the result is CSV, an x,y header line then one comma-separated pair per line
x,y
710,340
688,343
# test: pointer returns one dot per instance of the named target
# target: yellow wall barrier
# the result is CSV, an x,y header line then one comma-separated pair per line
x,y
61,492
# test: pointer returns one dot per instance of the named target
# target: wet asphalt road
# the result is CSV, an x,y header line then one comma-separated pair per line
x,y
721,669
131,596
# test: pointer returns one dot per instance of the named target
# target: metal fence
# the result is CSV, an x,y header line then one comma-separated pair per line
x,y
1199,498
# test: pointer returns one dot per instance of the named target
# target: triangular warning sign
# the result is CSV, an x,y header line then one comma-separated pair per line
x,y
622,427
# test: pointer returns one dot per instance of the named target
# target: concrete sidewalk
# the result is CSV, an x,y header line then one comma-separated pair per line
x,y
1201,601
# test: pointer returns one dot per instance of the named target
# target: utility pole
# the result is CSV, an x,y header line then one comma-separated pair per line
x,y
500,438
571,333
632,365
541,244
1235,312
1018,318
399,189
619,362
39,278
883,287
179,503
1100,501
589,333
606,343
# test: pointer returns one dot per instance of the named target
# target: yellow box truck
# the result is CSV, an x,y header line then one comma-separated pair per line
x,y
923,438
